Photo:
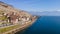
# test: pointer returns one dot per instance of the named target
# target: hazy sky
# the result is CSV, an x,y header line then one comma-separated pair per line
x,y
35,5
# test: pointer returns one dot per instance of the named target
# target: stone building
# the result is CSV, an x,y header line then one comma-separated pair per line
x,y
12,18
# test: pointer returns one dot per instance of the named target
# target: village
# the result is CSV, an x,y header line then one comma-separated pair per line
x,y
10,16
13,20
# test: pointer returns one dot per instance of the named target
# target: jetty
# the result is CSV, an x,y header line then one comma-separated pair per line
x,y
13,20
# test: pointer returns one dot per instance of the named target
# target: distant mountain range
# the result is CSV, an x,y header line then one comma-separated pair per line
x,y
46,13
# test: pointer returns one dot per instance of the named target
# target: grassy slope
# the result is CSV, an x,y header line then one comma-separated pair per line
x,y
2,30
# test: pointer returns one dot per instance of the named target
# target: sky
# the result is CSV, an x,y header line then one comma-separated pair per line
x,y
35,5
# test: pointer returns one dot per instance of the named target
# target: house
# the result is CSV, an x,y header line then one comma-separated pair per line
x,y
12,18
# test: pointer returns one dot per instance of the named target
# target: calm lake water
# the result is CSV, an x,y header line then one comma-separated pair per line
x,y
44,25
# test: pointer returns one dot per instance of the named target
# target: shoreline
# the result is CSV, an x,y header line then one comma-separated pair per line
x,y
27,27
22,27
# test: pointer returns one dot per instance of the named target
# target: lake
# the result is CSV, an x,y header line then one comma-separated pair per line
x,y
44,25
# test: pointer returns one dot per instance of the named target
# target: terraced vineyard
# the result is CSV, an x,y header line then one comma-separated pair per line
x,y
12,18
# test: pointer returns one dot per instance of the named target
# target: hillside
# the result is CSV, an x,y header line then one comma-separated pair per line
x,y
10,15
